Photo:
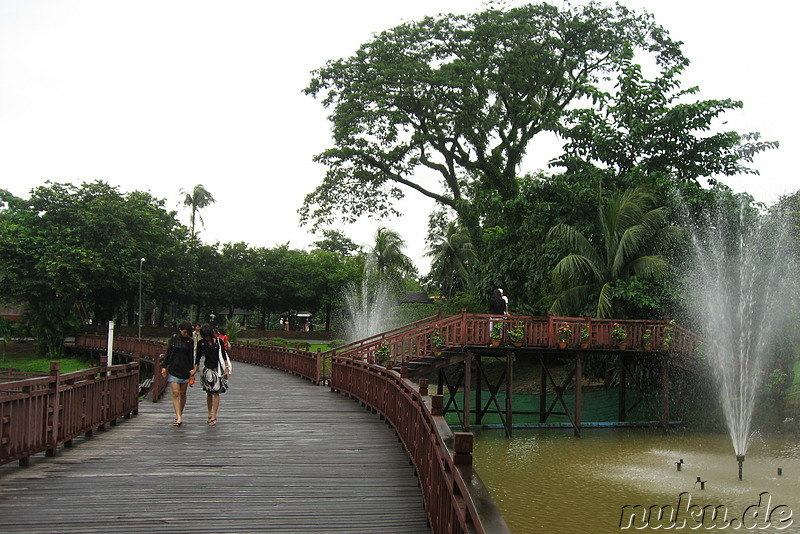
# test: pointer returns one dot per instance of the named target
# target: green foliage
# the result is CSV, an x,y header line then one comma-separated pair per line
x,y
464,96
336,343
497,331
564,332
408,313
618,333
628,230
274,342
517,333
382,354
386,262
436,339
197,199
452,256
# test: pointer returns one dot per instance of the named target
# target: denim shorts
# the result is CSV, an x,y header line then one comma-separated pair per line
x,y
177,380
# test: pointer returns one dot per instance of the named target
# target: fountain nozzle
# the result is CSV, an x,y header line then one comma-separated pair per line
x,y
740,459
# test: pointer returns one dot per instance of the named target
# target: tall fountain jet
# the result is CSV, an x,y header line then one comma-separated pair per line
x,y
740,285
367,309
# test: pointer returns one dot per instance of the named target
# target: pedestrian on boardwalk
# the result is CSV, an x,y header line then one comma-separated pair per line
x,y
222,335
178,368
216,369
195,334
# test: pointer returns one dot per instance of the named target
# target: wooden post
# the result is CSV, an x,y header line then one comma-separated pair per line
x,y
437,405
551,330
665,392
467,390
318,372
423,387
462,447
622,412
104,401
54,410
578,393
543,393
478,387
509,392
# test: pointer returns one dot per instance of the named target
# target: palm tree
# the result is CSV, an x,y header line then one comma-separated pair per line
x,y
628,229
197,199
386,259
452,252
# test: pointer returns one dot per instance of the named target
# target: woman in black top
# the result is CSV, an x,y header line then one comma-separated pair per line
x,y
178,368
216,370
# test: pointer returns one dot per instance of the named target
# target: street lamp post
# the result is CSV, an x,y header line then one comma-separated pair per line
x,y
141,261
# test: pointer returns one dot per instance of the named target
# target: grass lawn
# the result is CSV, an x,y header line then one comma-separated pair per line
x,y
23,357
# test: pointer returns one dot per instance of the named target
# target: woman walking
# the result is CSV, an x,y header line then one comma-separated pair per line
x,y
179,367
216,369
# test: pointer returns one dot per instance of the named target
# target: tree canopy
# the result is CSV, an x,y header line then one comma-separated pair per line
x,y
449,106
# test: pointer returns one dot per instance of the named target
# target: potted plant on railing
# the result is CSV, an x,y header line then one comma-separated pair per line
x,y
496,334
585,336
647,339
516,335
436,342
564,334
668,334
620,335
382,354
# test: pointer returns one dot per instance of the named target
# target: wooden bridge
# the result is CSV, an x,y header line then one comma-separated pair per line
x,y
285,457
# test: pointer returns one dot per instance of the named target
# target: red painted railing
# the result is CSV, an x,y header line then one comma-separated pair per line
x,y
299,362
137,349
456,500
415,340
38,414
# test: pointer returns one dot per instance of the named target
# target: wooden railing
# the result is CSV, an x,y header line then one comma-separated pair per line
x,y
38,414
148,350
415,340
456,500
299,362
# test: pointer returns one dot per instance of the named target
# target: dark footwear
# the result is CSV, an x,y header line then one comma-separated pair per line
x,y
212,422
177,423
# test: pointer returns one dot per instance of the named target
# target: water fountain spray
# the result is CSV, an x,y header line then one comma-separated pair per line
x,y
367,309
740,285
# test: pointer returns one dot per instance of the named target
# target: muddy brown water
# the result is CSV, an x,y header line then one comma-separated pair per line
x,y
616,480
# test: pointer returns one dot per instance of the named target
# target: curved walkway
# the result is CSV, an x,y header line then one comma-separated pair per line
x,y
285,457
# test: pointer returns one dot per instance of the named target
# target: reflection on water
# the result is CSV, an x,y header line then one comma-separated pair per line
x,y
549,481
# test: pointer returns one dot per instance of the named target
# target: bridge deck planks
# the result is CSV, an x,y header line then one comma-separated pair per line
x,y
286,456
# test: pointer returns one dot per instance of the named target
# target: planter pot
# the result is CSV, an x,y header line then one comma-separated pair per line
x,y
584,345
648,347
562,344
495,342
622,346
437,352
517,343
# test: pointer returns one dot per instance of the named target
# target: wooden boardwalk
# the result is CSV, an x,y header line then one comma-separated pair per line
x,y
286,456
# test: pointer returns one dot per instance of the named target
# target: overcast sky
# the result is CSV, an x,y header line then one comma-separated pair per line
x,y
160,95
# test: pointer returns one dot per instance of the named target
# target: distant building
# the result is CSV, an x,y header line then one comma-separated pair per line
x,y
11,311
416,297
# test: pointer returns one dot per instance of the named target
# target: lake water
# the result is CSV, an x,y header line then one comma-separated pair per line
x,y
548,481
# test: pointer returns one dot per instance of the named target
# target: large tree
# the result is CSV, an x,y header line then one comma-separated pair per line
x,y
69,245
449,106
